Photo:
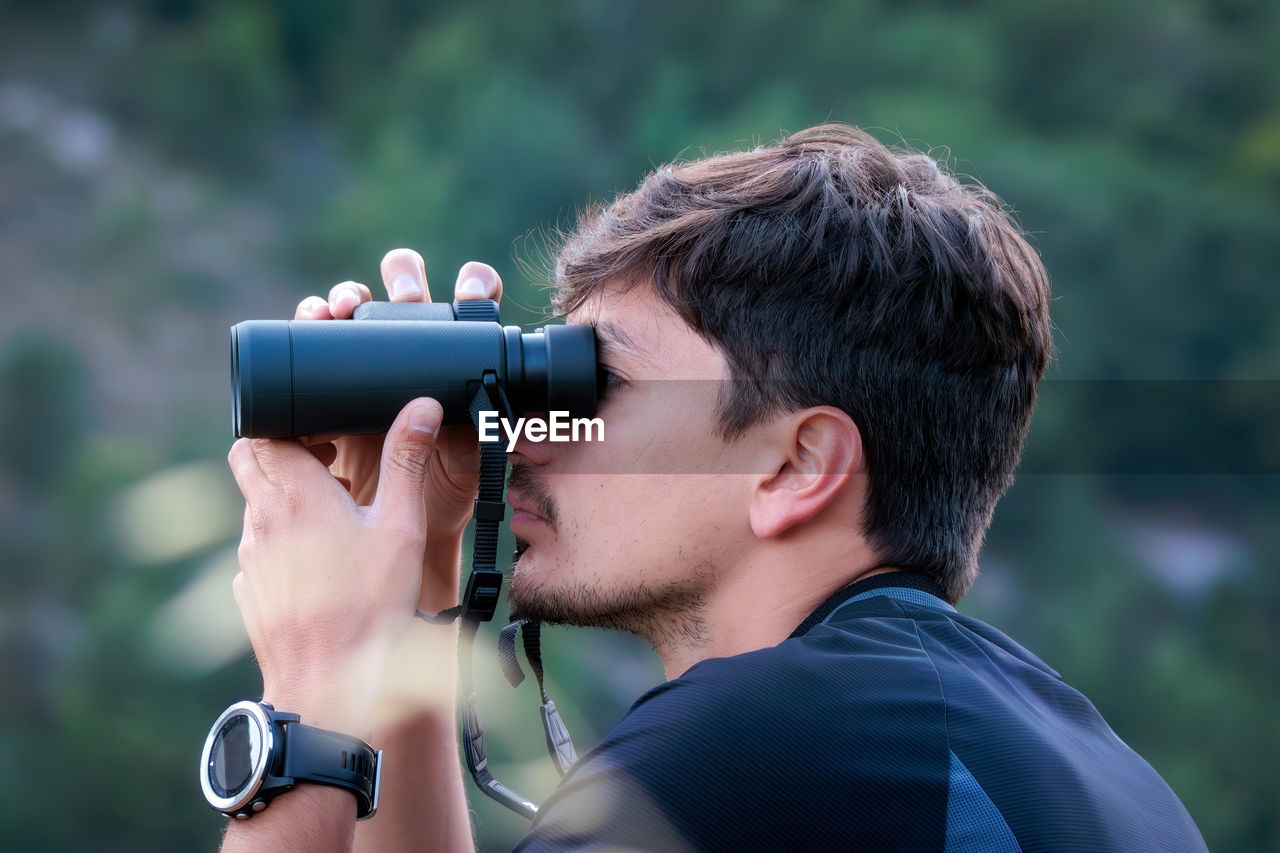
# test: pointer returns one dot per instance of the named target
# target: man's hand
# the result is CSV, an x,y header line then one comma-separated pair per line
x,y
326,585
332,564
453,470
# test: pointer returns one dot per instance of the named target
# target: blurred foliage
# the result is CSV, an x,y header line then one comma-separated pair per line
x,y
170,166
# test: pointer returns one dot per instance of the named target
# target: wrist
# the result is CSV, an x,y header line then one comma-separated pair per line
x,y
441,574
335,693
444,548
324,711
419,676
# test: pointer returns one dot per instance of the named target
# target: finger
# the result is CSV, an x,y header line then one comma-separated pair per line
x,y
313,308
478,281
312,440
344,298
326,452
293,473
404,464
405,276
245,468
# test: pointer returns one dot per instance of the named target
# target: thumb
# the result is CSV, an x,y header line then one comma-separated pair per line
x,y
405,453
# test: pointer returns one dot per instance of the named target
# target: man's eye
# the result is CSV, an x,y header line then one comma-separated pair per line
x,y
612,381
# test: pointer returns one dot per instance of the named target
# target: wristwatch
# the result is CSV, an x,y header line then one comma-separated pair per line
x,y
254,753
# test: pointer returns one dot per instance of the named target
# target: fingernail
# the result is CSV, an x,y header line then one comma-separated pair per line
x,y
426,418
405,286
312,304
474,287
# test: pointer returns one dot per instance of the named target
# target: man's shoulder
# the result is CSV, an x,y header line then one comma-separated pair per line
x,y
837,736
890,724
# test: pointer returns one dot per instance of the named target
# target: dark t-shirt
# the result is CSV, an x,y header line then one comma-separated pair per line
x,y
887,721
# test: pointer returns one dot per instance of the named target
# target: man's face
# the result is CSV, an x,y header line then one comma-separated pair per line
x,y
633,532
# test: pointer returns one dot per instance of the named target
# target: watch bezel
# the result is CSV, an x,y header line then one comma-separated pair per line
x,y
258,715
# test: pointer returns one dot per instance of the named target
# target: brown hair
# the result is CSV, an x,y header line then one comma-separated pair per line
x,y
832,270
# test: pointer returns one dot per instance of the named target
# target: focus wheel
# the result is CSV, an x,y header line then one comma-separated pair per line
x,y
484,310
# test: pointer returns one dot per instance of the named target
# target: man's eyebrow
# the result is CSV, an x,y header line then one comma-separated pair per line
x,y
613,337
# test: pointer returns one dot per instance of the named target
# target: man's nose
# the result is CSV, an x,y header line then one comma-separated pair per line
x,y
533,452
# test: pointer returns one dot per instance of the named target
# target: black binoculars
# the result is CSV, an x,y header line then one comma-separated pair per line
x,y
317,377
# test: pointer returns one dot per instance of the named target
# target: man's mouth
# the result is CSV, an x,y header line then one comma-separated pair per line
x,y
529,496
529,507
519,505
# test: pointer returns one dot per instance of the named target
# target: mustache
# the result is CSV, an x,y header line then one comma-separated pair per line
x,y
525,480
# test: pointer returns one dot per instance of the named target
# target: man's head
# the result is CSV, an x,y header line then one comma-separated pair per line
x,y
830,273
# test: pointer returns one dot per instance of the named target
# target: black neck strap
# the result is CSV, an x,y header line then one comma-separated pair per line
x,y
479,601
559,744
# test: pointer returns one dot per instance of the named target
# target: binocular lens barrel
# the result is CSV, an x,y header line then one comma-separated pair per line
x,y
320,377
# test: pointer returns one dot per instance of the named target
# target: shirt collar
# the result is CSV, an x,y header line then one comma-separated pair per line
x,y
885,580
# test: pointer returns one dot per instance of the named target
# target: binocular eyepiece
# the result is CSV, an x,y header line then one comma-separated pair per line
x,y
315,377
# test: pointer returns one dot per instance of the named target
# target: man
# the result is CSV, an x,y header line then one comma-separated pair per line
x,y
860,336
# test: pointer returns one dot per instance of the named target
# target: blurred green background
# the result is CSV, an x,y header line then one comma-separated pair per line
x,y
168,168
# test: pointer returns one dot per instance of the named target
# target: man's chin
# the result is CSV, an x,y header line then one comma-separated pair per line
x,y
524,589
525,565
661,616
535,593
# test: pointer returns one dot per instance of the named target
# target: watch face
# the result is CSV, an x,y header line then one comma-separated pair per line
x,y
234,760
236,749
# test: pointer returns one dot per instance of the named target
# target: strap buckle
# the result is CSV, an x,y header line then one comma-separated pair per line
x,y
481,597
489,510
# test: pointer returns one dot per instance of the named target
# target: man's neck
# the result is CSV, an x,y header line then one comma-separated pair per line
x,y
760,604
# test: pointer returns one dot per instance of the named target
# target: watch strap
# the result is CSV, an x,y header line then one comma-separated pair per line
x,y
319,755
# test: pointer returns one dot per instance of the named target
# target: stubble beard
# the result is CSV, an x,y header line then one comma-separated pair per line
x,y
667,615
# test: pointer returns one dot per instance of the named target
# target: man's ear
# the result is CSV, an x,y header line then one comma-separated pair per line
x,y
821,450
